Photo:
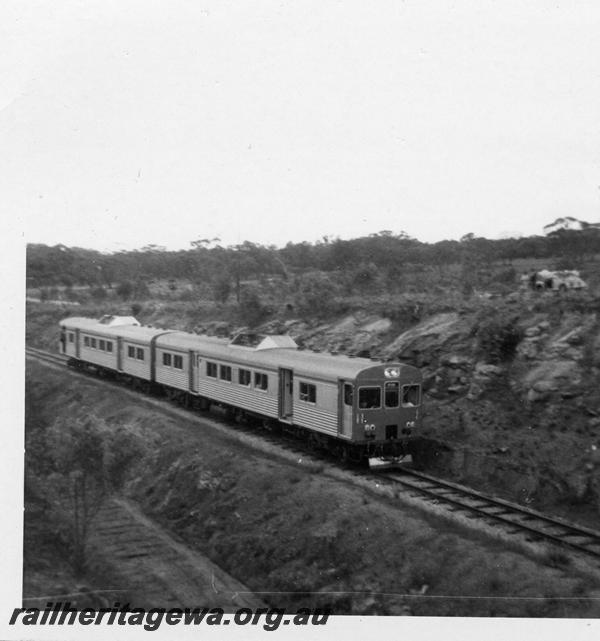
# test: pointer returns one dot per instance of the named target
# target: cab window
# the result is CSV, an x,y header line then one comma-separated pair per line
x,y
411,395
392,394
369,398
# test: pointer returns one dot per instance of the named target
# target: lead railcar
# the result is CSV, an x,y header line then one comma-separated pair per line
x,y
353,407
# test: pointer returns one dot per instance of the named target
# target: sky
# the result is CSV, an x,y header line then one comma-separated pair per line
x,y
130,123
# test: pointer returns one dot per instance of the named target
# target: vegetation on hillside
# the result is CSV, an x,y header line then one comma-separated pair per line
x,y
374,260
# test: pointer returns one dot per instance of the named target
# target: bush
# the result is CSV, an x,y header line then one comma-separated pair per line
x,y
85,463
125,289
252,309
221,288
315,294
366,277
98,293
497,338
141,289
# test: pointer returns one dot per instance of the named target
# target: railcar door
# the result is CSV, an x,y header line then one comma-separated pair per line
x,y
346,401
286,394
196,360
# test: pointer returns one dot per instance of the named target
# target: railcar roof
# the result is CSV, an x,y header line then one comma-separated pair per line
x,y
304,363
133,332
79,322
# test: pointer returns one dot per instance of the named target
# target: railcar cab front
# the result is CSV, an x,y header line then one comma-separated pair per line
x,y
386,407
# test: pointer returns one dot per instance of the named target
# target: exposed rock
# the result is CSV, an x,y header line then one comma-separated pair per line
x,y
532,331
475,391
552,376
457,361
378,326
543,386
421,345
487,369
528,348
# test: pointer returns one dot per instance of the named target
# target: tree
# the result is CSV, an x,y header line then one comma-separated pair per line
x,y
252,309
365,277
87,462
125,289
221,287
315,294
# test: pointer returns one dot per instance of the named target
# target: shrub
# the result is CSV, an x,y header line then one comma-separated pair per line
x,y
141,289
86,464
221,288
497,338
98,293
125,289
366,277
252,309
315,294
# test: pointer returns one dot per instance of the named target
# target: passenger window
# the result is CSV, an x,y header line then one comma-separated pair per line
x,y
93,343
211,369
102,345
225,373
140,354
369,398
71,337
178,362
261,381
410,395
244,377
86,341
308,392
392,394
109,346
166,359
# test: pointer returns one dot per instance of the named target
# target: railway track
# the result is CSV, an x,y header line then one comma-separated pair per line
x,y
48,357
513,520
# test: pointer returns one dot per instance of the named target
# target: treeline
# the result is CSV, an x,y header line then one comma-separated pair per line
x,y
385,252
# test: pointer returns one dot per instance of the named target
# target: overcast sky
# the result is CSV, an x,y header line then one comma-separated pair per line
x,y
133,122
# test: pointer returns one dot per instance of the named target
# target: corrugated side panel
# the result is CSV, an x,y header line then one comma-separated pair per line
x,y
99,357
314,418
173,377
136,367
239,396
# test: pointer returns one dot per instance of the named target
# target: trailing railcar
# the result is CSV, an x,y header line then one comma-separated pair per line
x,y
352,407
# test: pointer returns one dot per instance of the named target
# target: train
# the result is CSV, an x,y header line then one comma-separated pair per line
x,y
354,408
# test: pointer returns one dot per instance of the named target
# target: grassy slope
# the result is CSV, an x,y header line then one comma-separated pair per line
x,y
302,537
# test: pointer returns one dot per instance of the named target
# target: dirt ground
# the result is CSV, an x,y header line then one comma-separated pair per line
x,y
293,535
